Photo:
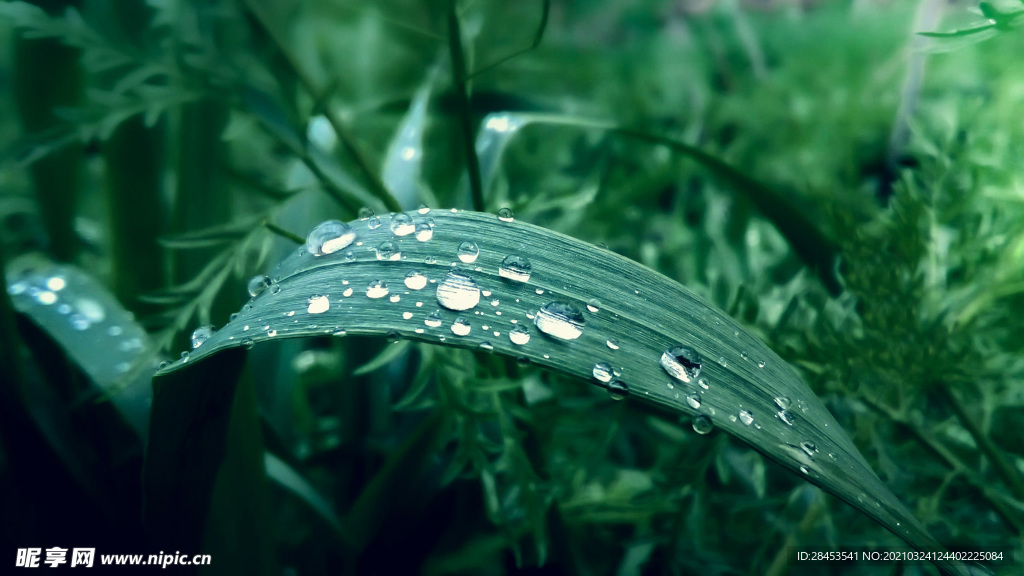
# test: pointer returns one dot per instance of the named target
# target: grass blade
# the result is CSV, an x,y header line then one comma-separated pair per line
x,y
640,314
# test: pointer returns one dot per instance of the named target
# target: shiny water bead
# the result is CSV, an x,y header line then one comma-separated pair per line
x,y
402,225
515,267
425,231
433,320
328,237
602,372
519,335
200,335
702,424
618,390
458,292
594,305
377,289
468,251
746,417
415,280
505,214
388,250
257,284
318,304
681,362
365,213
560,320
461,326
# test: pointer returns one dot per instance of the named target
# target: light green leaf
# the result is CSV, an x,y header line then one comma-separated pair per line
x,y
630,316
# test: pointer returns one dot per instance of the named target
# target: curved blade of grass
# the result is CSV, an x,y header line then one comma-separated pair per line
x,y
404,161
811,245
640,309
93,329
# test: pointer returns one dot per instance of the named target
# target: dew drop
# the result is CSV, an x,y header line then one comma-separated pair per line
x,y
347,292
809,448
486,346
722,361
415,280
423,209
786,416
407,315
560,319
257,284
618,390
602,372
247,343
594,305
760,364
373,223
782,402
515,267
505,214
519,335
395,298
458,292
328,237
461,326
704,383
401,224
275,289
693,400
201,335
746,417
377,289
365,213
468,251
424,231
702,424
612,343
433,320
681,363
318,304
388,250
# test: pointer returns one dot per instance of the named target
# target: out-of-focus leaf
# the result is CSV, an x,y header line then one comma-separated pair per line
x,y
403,163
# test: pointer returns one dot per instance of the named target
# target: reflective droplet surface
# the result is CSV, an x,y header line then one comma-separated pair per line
x,y
424,231
423,209
809,448
401,224
761,364
388,250
505,214
365,213
612,343
602,372
519,334
328,237
461,326
782,402
618,390
257,284
433,320
681,363
458,292
693,400
746,417
201,335
704,383
318,304
560,319
377,289
468,252
486,346
594,305
786,416
415,280
515,267
702,424
373,223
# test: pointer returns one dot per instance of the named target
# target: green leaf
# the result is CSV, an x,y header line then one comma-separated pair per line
x,y
640,312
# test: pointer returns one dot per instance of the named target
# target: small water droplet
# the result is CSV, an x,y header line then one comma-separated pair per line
x,y
693,400
318,304
184,354
747,417
809,448
395,298
486,346
425,231
786,416
594,305
46,297
505,214
401,224
468,251
423,209
519,335
275,289
429,260
377,289
702,424
560,319
782,402
461,326
804,470
347,292
247,343
433,320
407,315
515,267
681,362
722,361
388,250
602,372
704,383
365,213
328,237
458,292
201,335
618,390
257,284
393,336
760,364
163,364
271,333
373,223
612,343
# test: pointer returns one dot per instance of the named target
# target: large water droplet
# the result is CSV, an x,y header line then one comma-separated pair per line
x,y
461,326
433,320
681,363
424,231
602,372
515,267
468,251
560,319
505,214
401,224
519,334
415,280
377,289
201,335
458,292
328,237
388,250
747,417
257,284
702,424
618,390
693,400
318,304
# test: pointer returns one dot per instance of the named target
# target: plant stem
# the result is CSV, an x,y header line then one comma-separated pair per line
x,y
283,233
461,81
995,455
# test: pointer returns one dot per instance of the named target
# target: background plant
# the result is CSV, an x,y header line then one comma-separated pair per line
x,y
206,134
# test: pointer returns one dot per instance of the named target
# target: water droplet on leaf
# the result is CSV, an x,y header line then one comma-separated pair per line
x,y
415,280
388,250
560,319
318,304
328,237
458,292
461,326
681,362
401,224
702,424
519,335
468,251
747,417
433,320
618,390
602,372
515,267
377,289
201,335
505,214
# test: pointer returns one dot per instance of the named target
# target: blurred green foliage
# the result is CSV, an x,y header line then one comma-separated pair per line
x,y
207,119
